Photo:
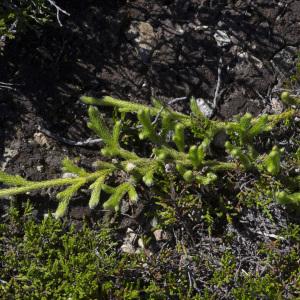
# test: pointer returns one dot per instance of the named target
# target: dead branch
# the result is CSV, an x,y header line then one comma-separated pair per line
x,y
58,11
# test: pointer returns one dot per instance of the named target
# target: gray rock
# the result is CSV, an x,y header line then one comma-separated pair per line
x,y
222,38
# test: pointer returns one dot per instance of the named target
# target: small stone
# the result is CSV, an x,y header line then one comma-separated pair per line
x,y
141,243
39,168
277,106
144,37
127,248
41,139
222,38
154,222
160,235
69,175
124,206
168,168
129,241
130,166
131,236
205,108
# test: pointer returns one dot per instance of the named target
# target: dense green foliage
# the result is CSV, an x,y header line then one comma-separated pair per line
x,y
51,260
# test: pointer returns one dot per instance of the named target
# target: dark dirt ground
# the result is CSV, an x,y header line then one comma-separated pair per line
x,y
136,50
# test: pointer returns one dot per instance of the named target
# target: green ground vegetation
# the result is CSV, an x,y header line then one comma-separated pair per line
x,y
53,260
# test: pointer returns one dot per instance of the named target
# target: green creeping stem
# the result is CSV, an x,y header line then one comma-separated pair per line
x,y
285,198
33,185
186,120
272,161
126,106
148,130
178,137
216,166
125,154
236,152
117,195
193,156
288,99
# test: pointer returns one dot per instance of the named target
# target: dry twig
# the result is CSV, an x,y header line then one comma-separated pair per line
x,y
58,11
88,142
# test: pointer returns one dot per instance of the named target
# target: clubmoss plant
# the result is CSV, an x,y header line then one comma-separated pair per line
x,y
189,160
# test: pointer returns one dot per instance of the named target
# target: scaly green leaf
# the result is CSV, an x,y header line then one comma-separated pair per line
x,y
97,124
96,190
13,180
65,196
69,166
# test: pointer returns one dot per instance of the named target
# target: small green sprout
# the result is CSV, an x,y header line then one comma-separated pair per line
x,y
272,161
287,98
178,137
288,199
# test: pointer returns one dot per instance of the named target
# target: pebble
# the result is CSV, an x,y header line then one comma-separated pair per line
x,y
160,235
222,38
